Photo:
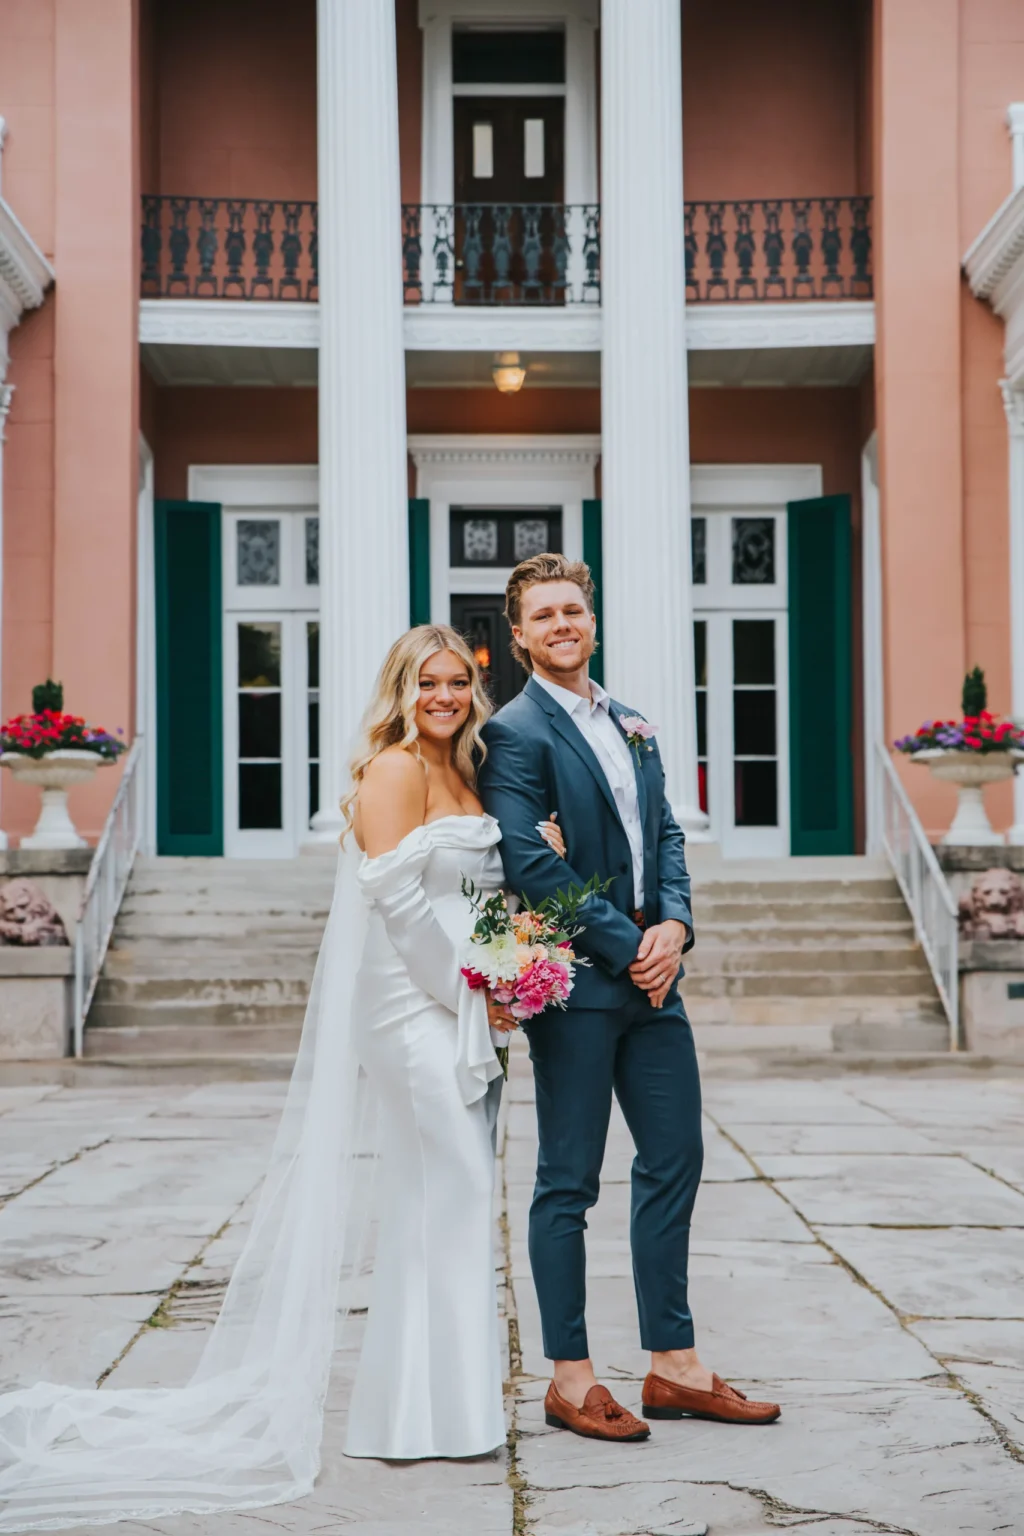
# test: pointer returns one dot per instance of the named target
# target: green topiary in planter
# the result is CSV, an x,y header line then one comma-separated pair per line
x,y
974,698
48,695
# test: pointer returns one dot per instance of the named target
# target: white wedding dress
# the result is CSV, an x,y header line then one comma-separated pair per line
x,y
429,1380
387,1008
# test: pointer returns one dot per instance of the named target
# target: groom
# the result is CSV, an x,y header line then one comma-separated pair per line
x,y
560,746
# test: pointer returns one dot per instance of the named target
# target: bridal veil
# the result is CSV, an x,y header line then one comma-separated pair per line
x,y
246,1430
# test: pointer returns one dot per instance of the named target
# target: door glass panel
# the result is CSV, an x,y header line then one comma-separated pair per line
x,y
533,147
313,712
259,725
698,551
258,551
480,540
483,151
753,551
754,716
531,537
700,668
312,551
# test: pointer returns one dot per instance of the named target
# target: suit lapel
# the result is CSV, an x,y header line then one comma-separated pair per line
x,y
617,712
573,737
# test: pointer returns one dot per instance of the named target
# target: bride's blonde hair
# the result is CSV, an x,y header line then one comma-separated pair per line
x,y
390,718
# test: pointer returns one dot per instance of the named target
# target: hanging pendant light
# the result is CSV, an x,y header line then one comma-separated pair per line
x,y
508,373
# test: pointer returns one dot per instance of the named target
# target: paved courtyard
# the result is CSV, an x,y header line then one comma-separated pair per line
x,y
858,1253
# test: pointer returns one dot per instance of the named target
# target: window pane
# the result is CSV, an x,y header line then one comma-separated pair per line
x,y
312,551
314,788
480,540
313,728
259,725
259,655
753,723
698,551
753,551
531,537
702,725
313,654
508,58
700,653
258,548
756,795
259,795
753,651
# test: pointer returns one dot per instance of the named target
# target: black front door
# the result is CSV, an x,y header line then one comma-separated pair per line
x,y
510,244
482,621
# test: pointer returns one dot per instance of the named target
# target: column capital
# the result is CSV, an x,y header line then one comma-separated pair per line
x,y
1013,404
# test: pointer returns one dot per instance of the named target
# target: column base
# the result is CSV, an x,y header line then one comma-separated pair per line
x,y
1015,836
325,827
695,823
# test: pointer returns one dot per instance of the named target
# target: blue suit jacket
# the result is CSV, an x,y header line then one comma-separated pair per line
x,y
537,762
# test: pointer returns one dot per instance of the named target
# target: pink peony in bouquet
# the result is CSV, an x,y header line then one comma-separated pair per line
x,y
526,959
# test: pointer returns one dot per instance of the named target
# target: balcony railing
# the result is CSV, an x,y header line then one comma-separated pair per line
x,y
782,249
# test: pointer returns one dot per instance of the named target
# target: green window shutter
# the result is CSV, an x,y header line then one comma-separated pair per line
x,y
189,713
592,555
820,676
419,560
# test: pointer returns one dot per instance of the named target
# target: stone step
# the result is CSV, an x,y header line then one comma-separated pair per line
x,y
241,991
752,1012
869,888
259,931
164,962
191,1014
197,1040
831,984
736,960
851,912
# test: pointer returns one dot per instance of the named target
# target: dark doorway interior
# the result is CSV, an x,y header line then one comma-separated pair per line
x,y
482,621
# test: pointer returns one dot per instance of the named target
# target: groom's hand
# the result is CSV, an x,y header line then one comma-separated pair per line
x,y
657,960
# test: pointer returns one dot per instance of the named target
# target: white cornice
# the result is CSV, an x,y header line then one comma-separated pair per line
x,y
450,328
998,250
581,450
25,273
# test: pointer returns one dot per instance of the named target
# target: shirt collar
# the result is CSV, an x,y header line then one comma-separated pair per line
x,y
570,701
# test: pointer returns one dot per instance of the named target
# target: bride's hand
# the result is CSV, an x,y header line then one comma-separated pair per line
x,y
551,832
498,1016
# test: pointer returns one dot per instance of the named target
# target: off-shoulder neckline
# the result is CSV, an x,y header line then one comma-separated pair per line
x,y
426,826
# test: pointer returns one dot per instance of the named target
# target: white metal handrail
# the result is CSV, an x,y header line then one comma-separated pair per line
x,y
105,887
925,890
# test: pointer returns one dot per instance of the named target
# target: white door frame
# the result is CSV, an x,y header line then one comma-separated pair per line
x,y
498,471
580,18
261,489
749,489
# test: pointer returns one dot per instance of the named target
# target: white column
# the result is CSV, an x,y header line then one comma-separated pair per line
x,y
645,467
1013,400
364,562
6,394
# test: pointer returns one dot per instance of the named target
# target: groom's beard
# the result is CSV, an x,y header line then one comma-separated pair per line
x,y
566,663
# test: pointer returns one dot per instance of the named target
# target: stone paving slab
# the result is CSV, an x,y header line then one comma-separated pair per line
x,y
895,1345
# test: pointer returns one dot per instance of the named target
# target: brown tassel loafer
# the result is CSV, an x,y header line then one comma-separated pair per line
x,y
600,1418
668,1400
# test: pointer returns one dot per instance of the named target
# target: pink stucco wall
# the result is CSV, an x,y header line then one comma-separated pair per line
x,y
67,83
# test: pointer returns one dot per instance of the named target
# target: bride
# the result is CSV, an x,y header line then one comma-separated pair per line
x,y
396,1053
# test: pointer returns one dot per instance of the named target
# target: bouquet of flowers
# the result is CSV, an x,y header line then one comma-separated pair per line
x,y
526,959
52,731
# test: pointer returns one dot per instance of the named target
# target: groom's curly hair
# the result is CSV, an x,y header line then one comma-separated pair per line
x,y
532,573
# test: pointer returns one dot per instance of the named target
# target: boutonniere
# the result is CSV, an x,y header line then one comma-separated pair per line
x,y
638,733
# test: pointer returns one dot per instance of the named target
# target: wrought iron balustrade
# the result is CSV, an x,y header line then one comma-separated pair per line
x,y
768,249
783,248
501,253
228,248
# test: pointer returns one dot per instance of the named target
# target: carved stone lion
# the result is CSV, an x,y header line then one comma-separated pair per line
x,y
28,917
994,906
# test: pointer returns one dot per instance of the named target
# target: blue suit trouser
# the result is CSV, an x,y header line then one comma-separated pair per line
x,y
646,1057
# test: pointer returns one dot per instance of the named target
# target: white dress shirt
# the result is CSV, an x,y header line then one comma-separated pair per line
x,y
615,757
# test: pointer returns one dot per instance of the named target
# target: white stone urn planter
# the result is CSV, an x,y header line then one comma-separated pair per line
x,y
54,774
970,772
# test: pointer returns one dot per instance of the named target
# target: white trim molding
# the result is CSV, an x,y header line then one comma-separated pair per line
x,y
501,470
452,328
735,486
1013,402
994,265
1015,123
256,485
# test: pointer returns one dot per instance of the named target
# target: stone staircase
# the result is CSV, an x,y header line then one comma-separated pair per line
x,y
211,960
807,954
